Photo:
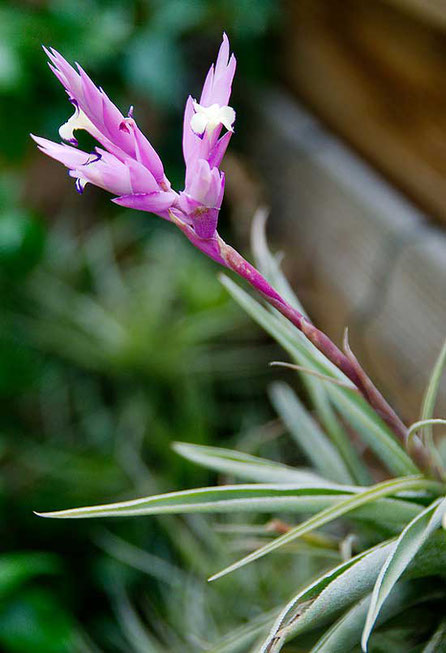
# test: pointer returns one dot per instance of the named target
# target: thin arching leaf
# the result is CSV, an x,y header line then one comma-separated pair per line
x,y
268,498
329,514
267,263
430,396
345,633
323,599
331,594
307,433
243,465
408,544
423,423
352,407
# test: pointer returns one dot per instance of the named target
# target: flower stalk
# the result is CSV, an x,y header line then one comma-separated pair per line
x,y
345,361
126,164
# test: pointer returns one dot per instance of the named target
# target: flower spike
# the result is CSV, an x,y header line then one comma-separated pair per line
x,y
128,166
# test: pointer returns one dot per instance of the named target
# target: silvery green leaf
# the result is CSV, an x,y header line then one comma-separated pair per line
x,y
372,431
326,597
437,643
343,507
408,544
345,634
243,465
267,498
307,433
430,398
352,407
268,264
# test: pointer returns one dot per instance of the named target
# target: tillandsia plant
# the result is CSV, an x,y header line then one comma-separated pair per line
x,y
396,534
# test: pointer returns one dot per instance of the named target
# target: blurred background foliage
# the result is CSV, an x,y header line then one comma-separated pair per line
x,y
115,340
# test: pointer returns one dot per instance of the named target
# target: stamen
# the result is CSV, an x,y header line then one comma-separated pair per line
x,y
77,121
94,156
80,184
207,119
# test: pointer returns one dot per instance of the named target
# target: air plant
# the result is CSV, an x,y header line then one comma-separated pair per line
x,y
397,537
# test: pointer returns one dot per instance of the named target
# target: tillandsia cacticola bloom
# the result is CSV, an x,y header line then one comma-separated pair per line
x,y
125,164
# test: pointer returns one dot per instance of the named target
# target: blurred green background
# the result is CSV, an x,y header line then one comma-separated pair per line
x,y
116,339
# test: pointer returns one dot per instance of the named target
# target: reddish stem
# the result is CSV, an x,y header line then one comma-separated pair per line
x,y
346,362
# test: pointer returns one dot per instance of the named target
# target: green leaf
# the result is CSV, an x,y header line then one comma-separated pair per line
x,y
352,407
428,406
372,431
268,264
323,407
256,498
323,599
430,397
329,514
307,433
424,423
345,633
408,544
344,585
437,642
243,465
288,336
270,268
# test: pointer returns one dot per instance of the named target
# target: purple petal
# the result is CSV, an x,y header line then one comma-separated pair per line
x,y
217,87
219,149
70,156
105,116
141,179
157,202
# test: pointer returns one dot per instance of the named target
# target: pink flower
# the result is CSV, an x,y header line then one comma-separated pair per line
x,y
128,166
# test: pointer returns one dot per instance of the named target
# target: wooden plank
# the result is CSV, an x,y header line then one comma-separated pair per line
x,y
358,252
432,11
375,74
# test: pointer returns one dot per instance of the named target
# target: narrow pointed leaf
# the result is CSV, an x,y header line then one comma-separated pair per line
x,y
345,634
267,263
437,642
269,498
372,430
329,514
244,465
430,397
408,544
323,599
353,408
307,433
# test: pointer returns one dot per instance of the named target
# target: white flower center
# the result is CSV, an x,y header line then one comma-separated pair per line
x,y
77,121
209,118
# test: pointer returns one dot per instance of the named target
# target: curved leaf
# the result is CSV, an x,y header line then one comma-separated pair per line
x,y
327,596
408,544
307,433
353,408
255,498
329,514
345,633
243,465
